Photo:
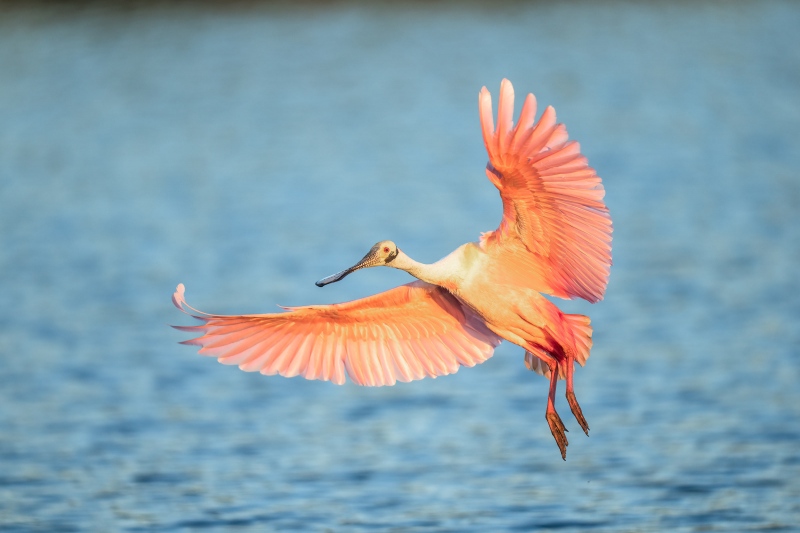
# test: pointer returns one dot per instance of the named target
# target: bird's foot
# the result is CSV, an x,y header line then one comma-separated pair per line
x,y
559,432
576,410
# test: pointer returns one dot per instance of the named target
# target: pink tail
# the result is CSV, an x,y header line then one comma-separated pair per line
x,y
582,335
576,326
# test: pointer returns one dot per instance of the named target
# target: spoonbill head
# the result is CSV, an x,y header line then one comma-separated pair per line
x,y
554,238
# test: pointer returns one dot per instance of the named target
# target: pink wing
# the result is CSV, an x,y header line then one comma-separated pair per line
x,y
406,333
552,200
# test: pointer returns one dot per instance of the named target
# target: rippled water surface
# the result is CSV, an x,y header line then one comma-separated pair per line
x,y
248,151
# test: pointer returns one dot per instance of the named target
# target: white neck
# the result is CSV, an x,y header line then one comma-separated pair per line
x,y
443,272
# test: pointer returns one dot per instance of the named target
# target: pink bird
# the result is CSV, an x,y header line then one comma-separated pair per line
x,y
554,238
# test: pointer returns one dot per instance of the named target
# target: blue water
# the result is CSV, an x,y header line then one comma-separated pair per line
x,y
248,151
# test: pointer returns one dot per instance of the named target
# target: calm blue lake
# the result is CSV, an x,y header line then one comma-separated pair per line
x,y
248,150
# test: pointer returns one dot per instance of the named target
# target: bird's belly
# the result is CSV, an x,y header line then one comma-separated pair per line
x,y
514,313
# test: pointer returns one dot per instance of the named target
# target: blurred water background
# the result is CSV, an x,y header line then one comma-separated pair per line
x,y
248,150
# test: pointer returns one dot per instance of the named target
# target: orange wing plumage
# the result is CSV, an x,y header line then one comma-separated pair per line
x,y
552,199
406,333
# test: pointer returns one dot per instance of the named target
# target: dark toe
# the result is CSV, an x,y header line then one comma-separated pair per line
x,y
576,411
559,432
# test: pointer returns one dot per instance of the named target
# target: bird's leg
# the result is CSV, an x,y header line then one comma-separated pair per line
x,y
553,420
573,402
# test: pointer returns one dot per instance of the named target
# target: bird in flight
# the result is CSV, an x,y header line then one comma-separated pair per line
x,y
554,238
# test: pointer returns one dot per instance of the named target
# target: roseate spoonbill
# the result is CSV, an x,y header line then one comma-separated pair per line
x,y
554,238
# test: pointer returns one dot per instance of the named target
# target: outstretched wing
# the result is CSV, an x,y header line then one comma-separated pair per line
x,y
552,199
405,333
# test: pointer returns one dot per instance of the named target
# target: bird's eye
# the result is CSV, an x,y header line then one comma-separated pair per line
x,y
386,249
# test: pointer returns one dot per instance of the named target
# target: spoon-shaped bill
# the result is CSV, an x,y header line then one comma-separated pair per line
x,y
369,260
334,277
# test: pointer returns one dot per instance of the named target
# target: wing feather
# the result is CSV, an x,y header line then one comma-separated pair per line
x,y
406,333
317,357
299,362
409,367
552,200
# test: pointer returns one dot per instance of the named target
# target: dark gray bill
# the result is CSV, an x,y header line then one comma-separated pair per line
x,y
334,278
371,259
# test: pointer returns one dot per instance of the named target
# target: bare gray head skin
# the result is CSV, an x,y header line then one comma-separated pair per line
x,y
382,254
